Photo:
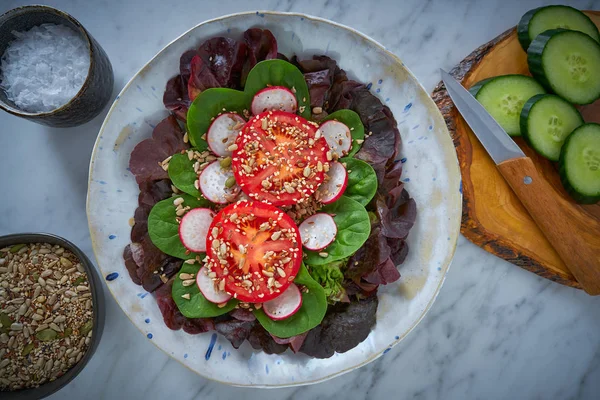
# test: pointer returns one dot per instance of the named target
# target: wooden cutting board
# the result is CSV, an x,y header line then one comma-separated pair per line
x,y
493,217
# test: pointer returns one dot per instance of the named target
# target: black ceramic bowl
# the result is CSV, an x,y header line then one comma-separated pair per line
x,y
98,86
98,307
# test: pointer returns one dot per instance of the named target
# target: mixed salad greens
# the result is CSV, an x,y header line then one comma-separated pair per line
x,y
271,206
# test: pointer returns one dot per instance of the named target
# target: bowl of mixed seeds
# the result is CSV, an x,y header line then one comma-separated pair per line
x,y
51,314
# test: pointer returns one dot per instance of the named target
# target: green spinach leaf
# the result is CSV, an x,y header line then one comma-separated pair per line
x,y
197,306
310,314
362,180
279,73
209,104
354,227
352,121
164,229
182,174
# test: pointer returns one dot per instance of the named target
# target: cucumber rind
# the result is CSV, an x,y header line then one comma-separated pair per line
x,y
524,123
523,25
535,62
576,194
476,88
523,28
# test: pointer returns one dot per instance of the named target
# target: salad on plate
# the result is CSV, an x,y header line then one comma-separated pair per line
x,y
271,207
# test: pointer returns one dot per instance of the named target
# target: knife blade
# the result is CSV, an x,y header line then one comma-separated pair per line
x,y
573,240
494,139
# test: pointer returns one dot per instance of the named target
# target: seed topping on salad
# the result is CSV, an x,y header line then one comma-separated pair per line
x,y
279,158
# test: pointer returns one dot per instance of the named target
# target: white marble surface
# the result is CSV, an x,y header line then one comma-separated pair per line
x,y
495,331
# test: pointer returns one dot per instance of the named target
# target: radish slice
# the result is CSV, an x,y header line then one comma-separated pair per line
x,y
193,229
209,289
222,133
334,185
212,184
284,305
337,136
274,98
318,231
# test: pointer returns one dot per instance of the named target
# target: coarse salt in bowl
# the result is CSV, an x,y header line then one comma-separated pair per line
x,y
44,67
46,81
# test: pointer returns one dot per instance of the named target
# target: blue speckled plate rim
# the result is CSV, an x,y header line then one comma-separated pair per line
x,y
454,235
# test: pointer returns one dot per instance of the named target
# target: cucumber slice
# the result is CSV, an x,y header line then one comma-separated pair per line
x,y
542,19
580,164
568,63
546,121
504,96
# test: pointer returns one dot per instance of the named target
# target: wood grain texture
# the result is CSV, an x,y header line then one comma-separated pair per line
x,y
493,217
574,236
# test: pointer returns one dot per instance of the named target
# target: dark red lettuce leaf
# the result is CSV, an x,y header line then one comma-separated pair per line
x,y
218,63
397,214
242,315
201,78
259,339
151,192
343,328
171,314
234,330
399,250
151,279
185,65
149,264
166,140
374,252
193,326
173,317
382,146
176,97
385,273
295,342
140,228
131,265
261,45
359,289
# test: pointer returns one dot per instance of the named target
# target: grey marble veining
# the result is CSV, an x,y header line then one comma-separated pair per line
x,y
495,331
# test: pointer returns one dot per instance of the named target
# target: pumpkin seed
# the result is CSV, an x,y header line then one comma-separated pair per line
x,y
27,349
86,328
17,247
46,335
79,281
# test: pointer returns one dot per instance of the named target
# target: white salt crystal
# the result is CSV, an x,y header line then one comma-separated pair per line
x,y
44,67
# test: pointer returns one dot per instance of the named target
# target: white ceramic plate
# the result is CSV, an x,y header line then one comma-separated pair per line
x,y
431,173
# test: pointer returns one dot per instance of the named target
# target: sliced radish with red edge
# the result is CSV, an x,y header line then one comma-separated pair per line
x,y
285,305
222,133
272,98
318,231
193,229
338,137
209,288
212,184
335,183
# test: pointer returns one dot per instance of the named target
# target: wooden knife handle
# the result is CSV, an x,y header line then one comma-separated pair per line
x,y
572,240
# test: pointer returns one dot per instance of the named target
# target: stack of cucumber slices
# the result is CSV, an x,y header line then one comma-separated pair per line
x,y
563,53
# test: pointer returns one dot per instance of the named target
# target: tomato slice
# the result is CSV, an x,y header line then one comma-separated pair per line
x,y
255,249
280,158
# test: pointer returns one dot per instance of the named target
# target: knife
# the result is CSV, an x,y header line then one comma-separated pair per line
x,y
575,244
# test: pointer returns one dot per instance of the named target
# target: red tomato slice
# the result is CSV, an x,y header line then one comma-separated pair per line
x,y
255,249
280,158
